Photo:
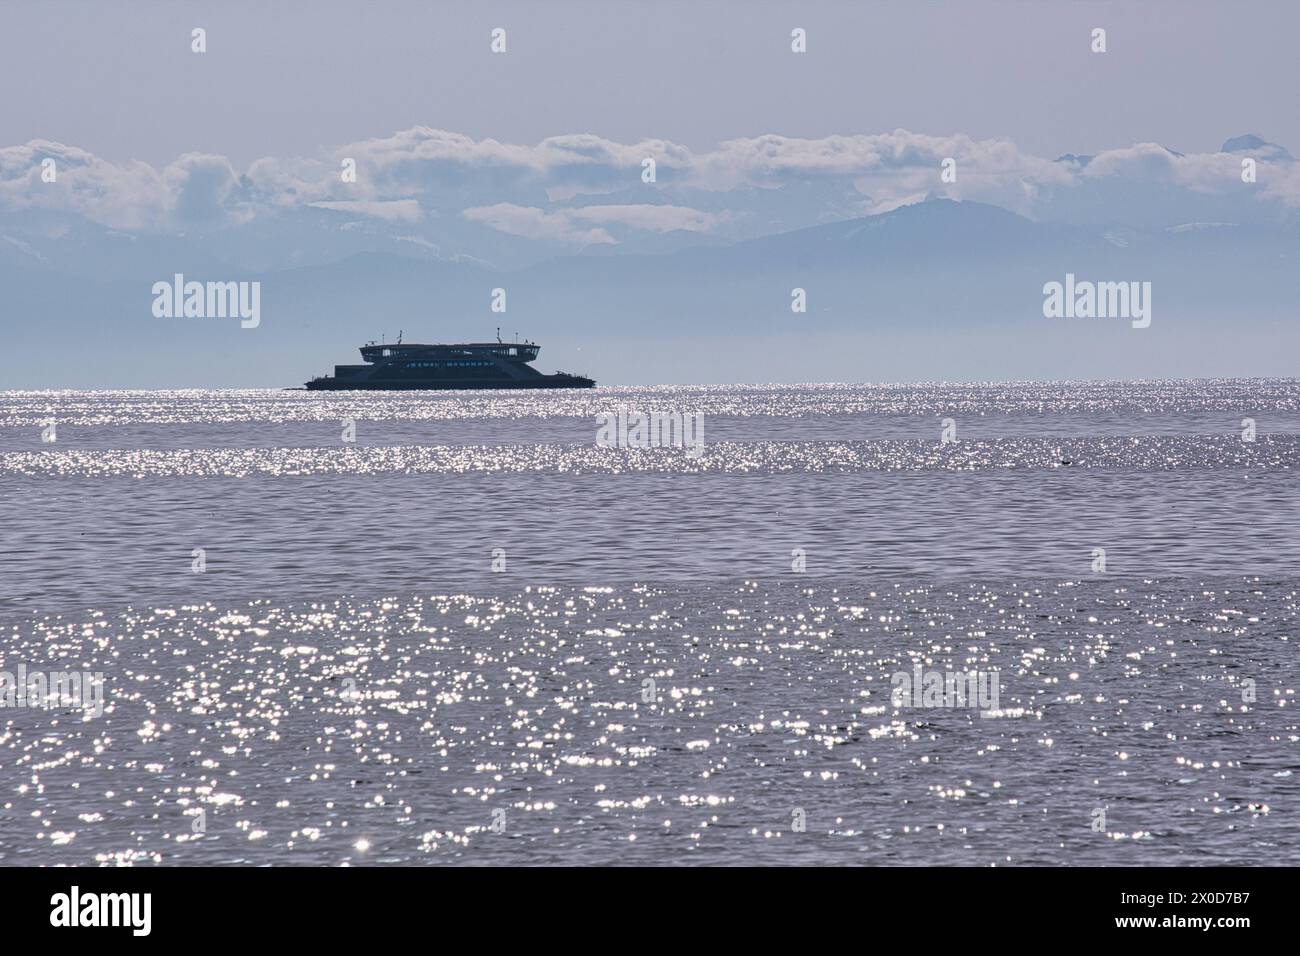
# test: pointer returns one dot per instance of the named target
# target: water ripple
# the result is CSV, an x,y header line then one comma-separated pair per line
x,y
91,408
637,724
1153,453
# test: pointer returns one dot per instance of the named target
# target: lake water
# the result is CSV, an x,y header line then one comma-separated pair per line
x,y
474,635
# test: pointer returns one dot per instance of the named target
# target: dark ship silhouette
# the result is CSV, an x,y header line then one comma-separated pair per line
x,y
471,365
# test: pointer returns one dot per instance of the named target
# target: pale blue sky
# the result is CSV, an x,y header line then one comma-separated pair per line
x,y
477,170
287,78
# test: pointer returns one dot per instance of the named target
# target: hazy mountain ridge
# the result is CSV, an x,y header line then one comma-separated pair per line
x,y
936,268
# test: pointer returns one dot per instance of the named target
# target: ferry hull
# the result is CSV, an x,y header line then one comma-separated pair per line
x,y
465,366
331,384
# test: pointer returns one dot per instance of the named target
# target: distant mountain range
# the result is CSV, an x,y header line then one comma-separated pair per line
x,y
929,290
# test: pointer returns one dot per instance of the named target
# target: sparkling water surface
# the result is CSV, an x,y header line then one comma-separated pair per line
x,y
349,680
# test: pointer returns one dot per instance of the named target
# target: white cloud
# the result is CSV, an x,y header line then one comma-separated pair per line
x,y
650,217
396,210
529,190
533,223
195,189
566,225
131,196
1282,183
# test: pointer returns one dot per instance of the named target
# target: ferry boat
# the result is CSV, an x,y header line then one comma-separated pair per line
x,y
471,365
